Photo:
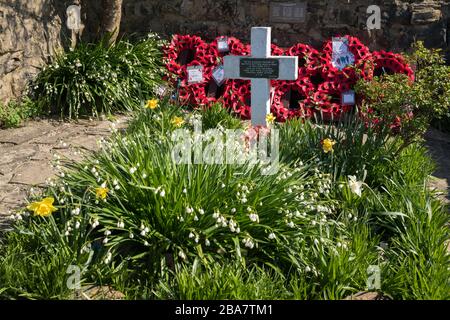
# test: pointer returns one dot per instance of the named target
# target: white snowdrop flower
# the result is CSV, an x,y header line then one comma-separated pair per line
x,y
216,215
103,185
297,214
133,170
249,209
355,186
182,255
95,223
146,229
75,212
238,230
191,235
244,200
313,222
248,243
233,210
350,216
238,194
260,203
344,246
146,243
181,219
196,239
77,225
289,190
67,233
280,211
316,242
162,193
184,190
61,200
254,217
338,244
223,185
96,175
108,258
307,269
93,170
115,182
355,219
207,243
142,226
107,232
189,210
143,233
144,175
291,224
131,235
120,224
201,211
105,241
272,236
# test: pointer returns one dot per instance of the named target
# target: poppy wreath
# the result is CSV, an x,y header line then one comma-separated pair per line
x,y
213,57
236,47
390,63
237,97
301,91
194,93
309,61
318,89
191,45
327,100
363,67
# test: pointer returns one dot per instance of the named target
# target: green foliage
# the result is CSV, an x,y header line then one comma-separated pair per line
x,y
98,78
215,231
357,148
409,106
15,112
216,115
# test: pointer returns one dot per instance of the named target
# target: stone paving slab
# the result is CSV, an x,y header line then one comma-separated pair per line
x,y
32,173
27,154
19,136
12,154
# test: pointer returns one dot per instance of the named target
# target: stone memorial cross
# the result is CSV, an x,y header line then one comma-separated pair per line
x,y
260,68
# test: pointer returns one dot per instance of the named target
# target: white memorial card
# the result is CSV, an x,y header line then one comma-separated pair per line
x,y
218,75
222,44
341,56
195,74
348,98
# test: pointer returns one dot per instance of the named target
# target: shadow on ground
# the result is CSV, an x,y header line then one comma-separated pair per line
x,y
438,144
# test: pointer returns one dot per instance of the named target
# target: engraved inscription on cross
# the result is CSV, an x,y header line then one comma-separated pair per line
x,y
260,68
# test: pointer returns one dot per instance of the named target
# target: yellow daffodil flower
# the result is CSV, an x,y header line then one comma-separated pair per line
x,y
152,104
101,192
177,121
270,118
42,208
327,145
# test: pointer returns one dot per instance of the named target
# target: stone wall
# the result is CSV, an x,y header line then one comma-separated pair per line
x,y
31,29
402,21
29,34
